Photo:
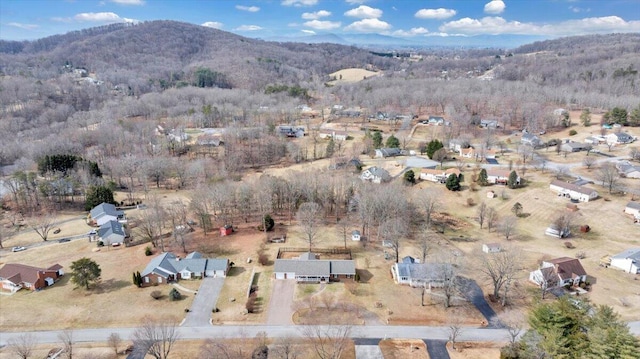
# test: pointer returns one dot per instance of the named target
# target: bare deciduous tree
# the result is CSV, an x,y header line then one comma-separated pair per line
x,y
588,161
454,329
561,172
42,225
114,342
285,348
309,217
393,231
609,175
429,202
492,218
508,226
23,345
66,337
158,337
482,213
328,341
500,268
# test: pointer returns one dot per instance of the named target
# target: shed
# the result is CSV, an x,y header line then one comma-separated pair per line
x,y
355,235
226,230
491,247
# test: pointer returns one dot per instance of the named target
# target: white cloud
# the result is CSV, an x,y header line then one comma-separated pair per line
x,y
213,24
128,2
364,12
23,26
310,32
368,25
248,8
579,9
107,17
498,25
494,7
298,3
440,13
413,32
248,28
356,2
315,15
322,25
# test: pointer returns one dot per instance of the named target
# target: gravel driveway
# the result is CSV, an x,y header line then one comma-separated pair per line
x,y
281,303
204,302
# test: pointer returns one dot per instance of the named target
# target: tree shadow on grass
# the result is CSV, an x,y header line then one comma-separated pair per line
x,y
236,271
365,275
111,285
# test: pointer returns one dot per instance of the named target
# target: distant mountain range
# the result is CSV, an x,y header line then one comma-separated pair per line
x,y
392,43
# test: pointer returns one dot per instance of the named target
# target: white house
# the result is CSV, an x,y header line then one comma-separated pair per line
x,y
433,175
376,175
336,135
499,176
467,152
619,138
628,261
426,275
355,235
633,208
559,272
573,191
457,144
491,247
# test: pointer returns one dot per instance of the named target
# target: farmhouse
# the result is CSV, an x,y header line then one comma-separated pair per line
x,y
633,208
15,276
434,175
307,268
387,152
426,275
105,212
167,267
573,191
628,261
111,233
559,272
499,176
336,135
376,175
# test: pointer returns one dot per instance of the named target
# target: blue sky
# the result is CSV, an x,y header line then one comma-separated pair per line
x,y
32,19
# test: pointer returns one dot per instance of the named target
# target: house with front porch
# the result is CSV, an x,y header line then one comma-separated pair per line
x,y
167,267
428,275
573,191
559,272
499,176
307,268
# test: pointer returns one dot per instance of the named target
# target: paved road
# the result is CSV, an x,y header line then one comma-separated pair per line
x,y
437,349
281,302
204,302
472,291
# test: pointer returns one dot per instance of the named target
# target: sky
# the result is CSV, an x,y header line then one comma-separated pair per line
x,y
413,19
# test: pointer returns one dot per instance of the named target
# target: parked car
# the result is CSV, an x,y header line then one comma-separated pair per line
x,y
56,231
18,249
62,240
92,232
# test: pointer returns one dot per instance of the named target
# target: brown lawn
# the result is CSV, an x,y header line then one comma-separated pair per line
x,y
403,348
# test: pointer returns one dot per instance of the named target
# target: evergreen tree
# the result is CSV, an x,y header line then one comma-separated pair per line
x,y
85,271
585,117
453,182
96,195
512,182
433,146
377,139
331,146
410,177
634,117
393,142
483,179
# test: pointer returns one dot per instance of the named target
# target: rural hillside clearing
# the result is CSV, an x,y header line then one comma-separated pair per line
x,y
351,75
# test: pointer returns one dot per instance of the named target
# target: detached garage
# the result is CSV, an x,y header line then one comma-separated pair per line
x,y
217,267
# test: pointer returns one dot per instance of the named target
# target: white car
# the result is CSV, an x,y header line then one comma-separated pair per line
x,y
18,249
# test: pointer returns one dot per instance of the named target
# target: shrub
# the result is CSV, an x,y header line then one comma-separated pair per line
x,y
573,133
268,221
156,294
568,245
263,259
174,295
470,202
148,251
251,303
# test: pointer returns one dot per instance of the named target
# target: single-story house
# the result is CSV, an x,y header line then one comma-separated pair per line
x,y
595,140
491,247
308,269
467,152
387,152
336,135
530,140
574,147
105,212
559,272
441,176
343,162
111,233
573,191
633,208
376,175
355,235
291,131
628,261
167,267
419,162
436,120
457,144
627,169
15,276
489,124
619,138
499,176
426,275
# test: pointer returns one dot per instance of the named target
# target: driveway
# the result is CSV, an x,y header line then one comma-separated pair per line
x,y
472,291
281,303
367,348
204,302
437,348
